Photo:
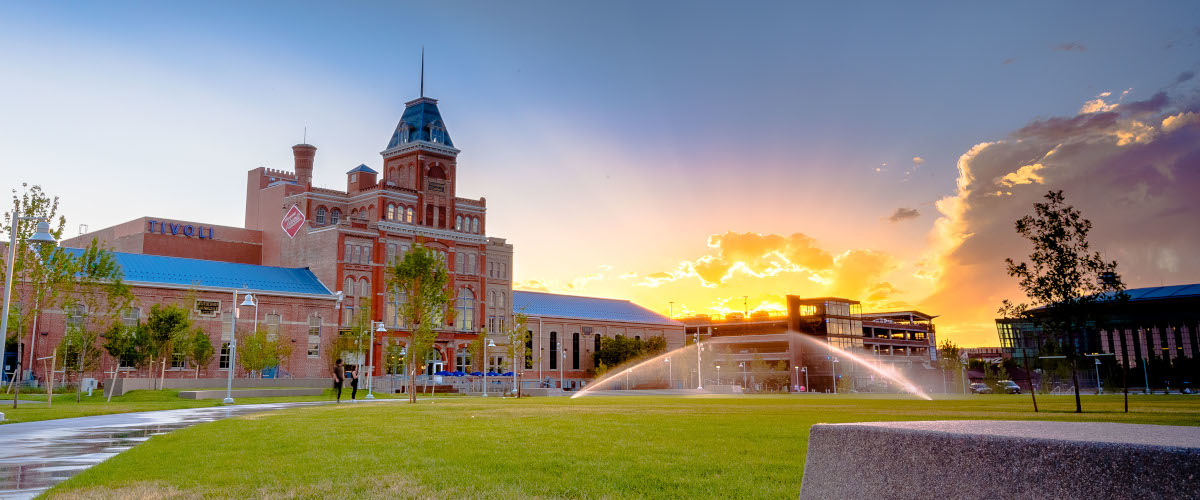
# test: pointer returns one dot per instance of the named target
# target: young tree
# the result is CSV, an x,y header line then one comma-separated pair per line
x,y
421,279
1064,279
476,350
128,345
167,325
97,296
950,361
516,345
201,349
259,350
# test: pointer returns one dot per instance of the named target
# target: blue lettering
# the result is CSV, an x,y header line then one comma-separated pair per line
x,y
174,228
152,225
188,230
210,233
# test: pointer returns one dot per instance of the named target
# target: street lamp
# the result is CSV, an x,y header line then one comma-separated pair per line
x,y
797,368
560,369
41,236
1097,377
233,344
718,374
742,365
490,343
806,386
699,375
371,355
834,365
251,300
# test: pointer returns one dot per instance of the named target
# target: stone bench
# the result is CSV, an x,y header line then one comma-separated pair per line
x,y
251,393
1001,459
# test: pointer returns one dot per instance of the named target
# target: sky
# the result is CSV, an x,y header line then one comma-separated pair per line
x,y
683,155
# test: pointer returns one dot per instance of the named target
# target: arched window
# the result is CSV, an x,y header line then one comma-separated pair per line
x,y
528,349
364,287
408,215
349,288
335,216
596,349
371,212
320,215
575,351
500,303
466,309
437,172
475,226
391,213
458,223
554,350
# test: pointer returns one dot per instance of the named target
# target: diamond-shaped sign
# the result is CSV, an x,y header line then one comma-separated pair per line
x,y
293,221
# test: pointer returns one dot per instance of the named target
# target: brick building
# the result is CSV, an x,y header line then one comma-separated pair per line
x,y
345,241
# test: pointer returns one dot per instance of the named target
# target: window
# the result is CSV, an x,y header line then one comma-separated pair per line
x,y
178,361
500,304
314,336
357,255
475,225
471,269
595,349
554,350
273,321
131,316
354,177
320,215
528,349
364,287
408,215
335,216
462,360
393,314
349,253
491,269
75,313
224,363
349,288
575,351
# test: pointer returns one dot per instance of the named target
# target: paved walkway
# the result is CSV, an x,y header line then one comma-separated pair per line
x,y
37,455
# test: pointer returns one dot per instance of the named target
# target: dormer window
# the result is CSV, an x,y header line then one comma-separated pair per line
x,y
404,133
437,134
354,177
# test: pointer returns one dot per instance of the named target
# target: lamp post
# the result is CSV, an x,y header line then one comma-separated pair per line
x,y
718,374
627,372
254,302
834,365
1097,377
41,236
797,368
699,375
806,386
742,365
560,368
371,371
490,343
670,373
233,345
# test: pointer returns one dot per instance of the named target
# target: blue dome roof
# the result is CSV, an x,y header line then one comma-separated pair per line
x,y
419,116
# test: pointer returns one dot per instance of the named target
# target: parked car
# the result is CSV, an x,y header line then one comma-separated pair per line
x,y
1009,387
980,388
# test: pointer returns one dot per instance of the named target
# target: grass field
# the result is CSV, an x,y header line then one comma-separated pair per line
x,y
612,447
64,405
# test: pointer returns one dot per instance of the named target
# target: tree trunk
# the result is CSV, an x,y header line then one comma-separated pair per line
x,y
1125,382
1075,382
1029,378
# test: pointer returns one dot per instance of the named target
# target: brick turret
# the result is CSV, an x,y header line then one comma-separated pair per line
x,y
304,155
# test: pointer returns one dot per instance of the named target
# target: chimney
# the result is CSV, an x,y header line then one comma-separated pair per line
x,y
304,154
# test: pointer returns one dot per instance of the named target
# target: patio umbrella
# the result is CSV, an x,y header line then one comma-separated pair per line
x,y
506,374
493,374
476,374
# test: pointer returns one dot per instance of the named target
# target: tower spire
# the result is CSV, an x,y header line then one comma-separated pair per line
x,y
422,71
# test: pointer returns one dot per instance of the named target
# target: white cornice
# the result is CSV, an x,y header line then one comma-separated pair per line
x,y
432,147
428,232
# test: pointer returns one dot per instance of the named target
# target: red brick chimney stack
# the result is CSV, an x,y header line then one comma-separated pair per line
x,y
304,155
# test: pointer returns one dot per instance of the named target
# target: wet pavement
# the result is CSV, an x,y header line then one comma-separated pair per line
x,y
37,455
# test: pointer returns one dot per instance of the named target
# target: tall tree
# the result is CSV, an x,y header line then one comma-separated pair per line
x,y
95,297
260,350
200,349
421,280
950,361
167,326
1064,280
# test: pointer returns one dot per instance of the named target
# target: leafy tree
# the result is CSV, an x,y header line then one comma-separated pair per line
x,y
167,327
620,349
1063,279
516,344
950,362
201,349
97,292
992,375
421,279
79,353
476,350
358,336
129,345
259,350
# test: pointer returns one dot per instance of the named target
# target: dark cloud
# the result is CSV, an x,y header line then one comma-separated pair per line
x,y
1009,60
1183,77
1131,171
1070,47
903,214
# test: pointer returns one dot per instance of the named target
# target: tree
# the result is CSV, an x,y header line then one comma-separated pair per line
x,y
260,350
129,345
516,344
167,327
950,360
201,349
476,349
1063,279
97,295
421,280
79,352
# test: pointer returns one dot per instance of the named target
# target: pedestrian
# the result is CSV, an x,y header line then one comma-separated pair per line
x,y
339,375
353,383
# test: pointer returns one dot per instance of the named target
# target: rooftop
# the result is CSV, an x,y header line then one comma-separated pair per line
x,y
573,306
419,115
178,271
362,168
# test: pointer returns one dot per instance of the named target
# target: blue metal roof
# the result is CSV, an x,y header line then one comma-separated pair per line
x,y
1164,292
418,116
362,168
574,306
178,271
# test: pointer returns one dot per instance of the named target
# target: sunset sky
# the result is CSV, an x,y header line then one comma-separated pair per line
x,y
686,152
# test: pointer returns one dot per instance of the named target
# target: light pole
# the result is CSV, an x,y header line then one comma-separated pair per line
x,y
627,372
834,365
560,368
742,365
254,301
797,368
233,345
490,343
371,355
699,374
41,236
670,372
718,374
806,386
1097,377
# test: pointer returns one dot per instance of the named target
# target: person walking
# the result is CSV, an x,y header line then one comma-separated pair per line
x,y
339,376
354,384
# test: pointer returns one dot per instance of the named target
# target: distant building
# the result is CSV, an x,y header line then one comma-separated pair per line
x,y
1158,329
902,340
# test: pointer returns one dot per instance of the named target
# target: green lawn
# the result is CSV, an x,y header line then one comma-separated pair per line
x,y
613,447
64,405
